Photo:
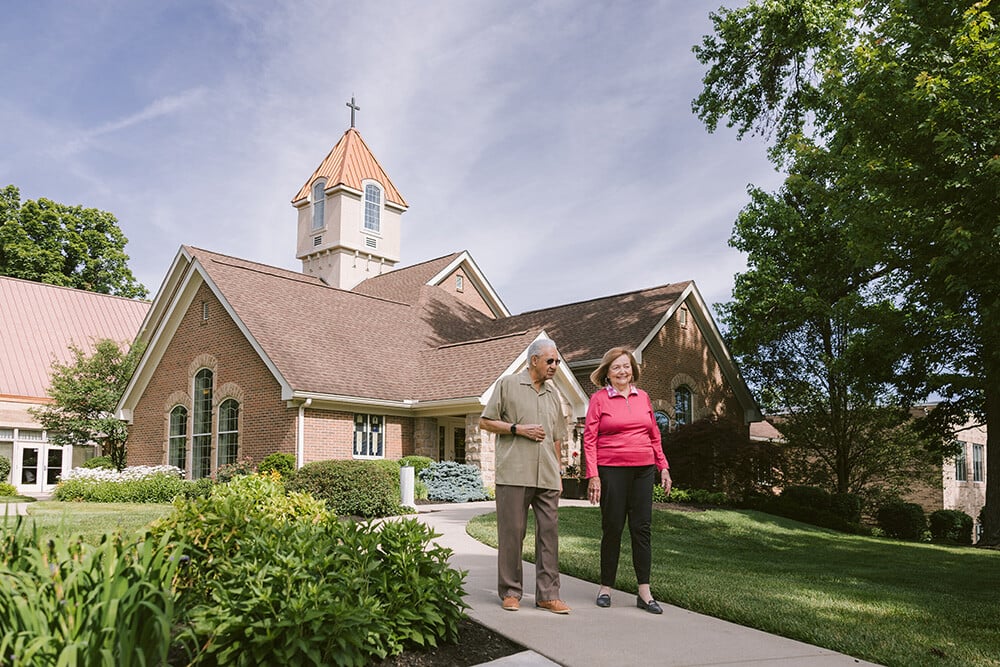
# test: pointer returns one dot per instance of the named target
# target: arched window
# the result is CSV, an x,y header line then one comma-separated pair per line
x,y
682,405
201,439
663,421
177,440
319,204
229,431
373,208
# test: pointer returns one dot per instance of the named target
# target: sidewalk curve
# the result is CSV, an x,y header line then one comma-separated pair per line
x,y
621,635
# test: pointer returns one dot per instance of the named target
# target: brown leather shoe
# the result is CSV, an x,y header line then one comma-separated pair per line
x,y
555,606
511,603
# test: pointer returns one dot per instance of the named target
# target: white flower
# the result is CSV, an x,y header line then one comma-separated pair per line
x,y
126,475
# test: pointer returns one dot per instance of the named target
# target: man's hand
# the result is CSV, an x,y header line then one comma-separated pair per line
x,y
531,431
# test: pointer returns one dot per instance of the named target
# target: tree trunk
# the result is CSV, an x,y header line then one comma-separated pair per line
x,y
991,513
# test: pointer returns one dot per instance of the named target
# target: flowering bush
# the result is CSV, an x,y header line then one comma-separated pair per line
x,y
574,469
138,484
126,475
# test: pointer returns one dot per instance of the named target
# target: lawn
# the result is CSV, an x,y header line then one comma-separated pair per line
x,y
890,602
92,520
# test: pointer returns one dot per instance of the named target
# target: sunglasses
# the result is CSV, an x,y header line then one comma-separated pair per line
x,y
549,362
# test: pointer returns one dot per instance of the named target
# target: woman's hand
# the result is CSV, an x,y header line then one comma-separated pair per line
x,y
594,490
665,480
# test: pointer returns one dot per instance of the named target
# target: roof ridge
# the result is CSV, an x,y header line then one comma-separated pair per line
x,y
75,289
601,298
482,340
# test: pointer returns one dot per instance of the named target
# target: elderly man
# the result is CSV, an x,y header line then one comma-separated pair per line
x,y
525,411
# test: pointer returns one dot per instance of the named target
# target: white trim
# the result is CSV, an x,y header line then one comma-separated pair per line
x,y
479,281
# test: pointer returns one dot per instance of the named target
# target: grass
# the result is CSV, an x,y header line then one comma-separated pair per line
x,y
890,602
91,520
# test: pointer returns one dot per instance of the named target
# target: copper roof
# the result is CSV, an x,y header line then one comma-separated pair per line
x,y
348,164
40,322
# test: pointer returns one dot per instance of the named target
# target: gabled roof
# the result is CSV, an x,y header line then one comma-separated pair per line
x,y
348,164
333,344
40,322
405,284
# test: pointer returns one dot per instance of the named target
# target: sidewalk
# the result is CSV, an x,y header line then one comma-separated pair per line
x,y
621,635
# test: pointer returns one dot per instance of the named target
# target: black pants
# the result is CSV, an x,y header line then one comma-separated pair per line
x,y
626,493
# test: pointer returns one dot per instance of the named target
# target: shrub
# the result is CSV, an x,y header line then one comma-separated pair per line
x,y
902,520
279,462
847,506
7,489
4,469
418,462
99,462
197,488
453,482
419,490
276,579
660,496
782,506
807,496
230,471
140,484
951,526
69,603
357,488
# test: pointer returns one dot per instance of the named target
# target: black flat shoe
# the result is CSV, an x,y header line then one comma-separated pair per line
x,y
653,607
603,600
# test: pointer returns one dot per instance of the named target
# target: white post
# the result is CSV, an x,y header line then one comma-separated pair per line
x,y
406,486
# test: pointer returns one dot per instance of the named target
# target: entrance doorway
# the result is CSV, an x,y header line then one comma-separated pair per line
x,y
37,467
451,444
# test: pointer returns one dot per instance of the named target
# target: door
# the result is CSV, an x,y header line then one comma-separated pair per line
x,y
37,467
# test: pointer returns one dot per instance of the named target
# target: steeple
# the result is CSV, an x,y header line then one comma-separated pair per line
x,y
348,215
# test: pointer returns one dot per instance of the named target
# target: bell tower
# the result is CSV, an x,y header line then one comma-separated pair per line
x,y
348,215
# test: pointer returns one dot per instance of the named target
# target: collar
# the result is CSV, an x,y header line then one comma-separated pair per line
x,y
612,392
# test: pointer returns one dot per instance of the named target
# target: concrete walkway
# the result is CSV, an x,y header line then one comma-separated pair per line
x,y
620,635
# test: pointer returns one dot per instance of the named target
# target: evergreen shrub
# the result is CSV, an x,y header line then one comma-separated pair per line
x,y
98,462
847,506
4,469
902,520
951,526
807,496
7,489
824,518
418,462
453,482
280,462
230,471
355,488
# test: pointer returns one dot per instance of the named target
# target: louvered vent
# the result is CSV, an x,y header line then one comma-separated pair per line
x,y
317,240
371,242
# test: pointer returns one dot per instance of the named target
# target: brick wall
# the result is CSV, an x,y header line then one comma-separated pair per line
x,y
330,435
265,424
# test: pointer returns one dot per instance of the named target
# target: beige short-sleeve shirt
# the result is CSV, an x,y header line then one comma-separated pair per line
x,y
521,461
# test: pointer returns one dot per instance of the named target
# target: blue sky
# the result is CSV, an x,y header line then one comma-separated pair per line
x,y
553,140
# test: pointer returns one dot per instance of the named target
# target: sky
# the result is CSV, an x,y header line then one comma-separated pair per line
x,y
554,141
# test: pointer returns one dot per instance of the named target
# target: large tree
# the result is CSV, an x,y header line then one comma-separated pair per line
x,y
816,334
85,393
64,245
904,96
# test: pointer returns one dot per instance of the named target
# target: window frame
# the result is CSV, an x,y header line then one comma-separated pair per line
x,y
201,440
685,416
372,207
369,434
978,463
177,442
318,196
223,434
961,463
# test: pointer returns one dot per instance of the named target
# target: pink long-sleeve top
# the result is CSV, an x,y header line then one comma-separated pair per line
x,y
621,430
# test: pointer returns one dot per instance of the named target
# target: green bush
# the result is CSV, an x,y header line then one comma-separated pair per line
x,y
847,506
230,471
783,506
902,520
418,462
283,464
453,482
355,488
807,496
4,469
7,489
197,488
951,526
277,579
98,463
419,490
157,488
69,603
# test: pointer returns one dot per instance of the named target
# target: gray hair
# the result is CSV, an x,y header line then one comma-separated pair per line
x,y
539,344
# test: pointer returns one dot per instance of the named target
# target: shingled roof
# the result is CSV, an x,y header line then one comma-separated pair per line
x,y
404,284
41,321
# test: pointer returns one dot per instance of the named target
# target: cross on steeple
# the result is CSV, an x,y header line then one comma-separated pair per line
x,y
354,107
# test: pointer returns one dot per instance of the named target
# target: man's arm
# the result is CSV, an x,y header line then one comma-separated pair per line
x,y
530,431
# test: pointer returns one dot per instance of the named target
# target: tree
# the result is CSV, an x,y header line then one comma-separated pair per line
x,y
85,394
64,245
903,98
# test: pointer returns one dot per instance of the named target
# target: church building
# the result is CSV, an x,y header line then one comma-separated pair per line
x,y
355,357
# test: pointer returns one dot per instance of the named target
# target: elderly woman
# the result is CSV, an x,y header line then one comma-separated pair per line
x,y
621,442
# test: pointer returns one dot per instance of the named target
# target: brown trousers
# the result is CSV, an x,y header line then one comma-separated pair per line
x,y
512,523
